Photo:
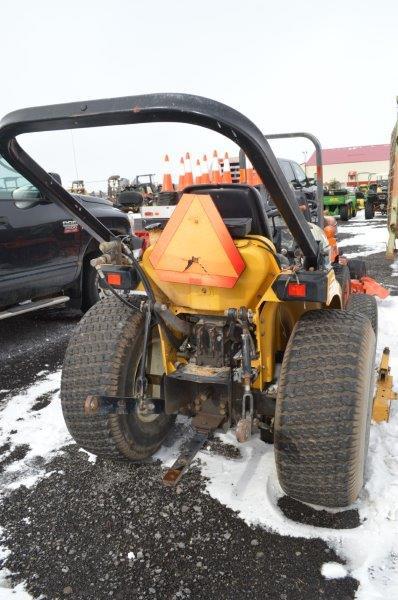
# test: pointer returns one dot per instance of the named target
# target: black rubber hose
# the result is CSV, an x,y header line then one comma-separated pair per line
x,y
171,319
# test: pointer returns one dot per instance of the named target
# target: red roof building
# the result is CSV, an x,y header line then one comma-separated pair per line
x,y
352,154
362,162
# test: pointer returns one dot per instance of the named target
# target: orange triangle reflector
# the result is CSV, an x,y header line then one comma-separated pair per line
x,y
195,247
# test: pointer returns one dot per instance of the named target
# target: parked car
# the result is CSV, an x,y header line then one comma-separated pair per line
x,y
44,254
304,188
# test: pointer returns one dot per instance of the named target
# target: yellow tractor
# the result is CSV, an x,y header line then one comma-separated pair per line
x,y
218,320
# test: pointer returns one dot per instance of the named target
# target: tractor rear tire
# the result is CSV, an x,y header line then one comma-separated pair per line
x,y
323,407
102,358
369,210
342,274
366,305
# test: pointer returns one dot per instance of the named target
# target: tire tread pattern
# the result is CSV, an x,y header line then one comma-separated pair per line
x,y
323,407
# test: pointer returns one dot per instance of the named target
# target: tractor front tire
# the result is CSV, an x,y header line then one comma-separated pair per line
x,y
102,359
366,305
323,407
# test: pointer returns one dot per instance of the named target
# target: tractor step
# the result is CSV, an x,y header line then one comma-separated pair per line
x,y
384,390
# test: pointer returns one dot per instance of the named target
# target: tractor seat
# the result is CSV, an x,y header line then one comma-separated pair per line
x,y
240,206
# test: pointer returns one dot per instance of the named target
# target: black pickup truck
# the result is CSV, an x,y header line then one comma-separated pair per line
x,y
44,254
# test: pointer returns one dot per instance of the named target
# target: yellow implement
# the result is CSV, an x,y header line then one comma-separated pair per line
x,y
384,390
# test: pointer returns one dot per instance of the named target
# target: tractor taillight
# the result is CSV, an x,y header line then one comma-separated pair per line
x,y
298,290
114,279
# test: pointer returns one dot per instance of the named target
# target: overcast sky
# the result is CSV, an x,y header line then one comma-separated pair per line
x,y
328,67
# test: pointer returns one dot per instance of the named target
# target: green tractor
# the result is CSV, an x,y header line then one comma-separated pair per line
x,y
339,201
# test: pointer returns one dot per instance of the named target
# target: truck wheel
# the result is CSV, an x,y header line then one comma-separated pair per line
x,y
357,268
323,407
369,210
344,212
102,359
91,293
366,305
342,274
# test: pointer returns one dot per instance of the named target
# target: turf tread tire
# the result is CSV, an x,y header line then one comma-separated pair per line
x,y
365,305
323,407
342,274
95,363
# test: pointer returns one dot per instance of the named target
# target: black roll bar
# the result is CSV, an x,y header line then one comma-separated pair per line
x,y
181,108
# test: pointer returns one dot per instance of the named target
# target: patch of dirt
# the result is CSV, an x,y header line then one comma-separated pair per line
x,y
44,400
5,448
134,539
302,513
18,453
216,446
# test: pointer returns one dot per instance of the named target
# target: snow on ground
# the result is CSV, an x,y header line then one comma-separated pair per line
x,y
6,592
333,570
371,237
41,429
250,486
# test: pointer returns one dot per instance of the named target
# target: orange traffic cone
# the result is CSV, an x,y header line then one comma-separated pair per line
x,y
249,173
226,173
215,174
167,181
205,171
188,170
255,178
181,174
198,176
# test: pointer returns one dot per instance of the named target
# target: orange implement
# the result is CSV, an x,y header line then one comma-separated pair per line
x,y
367,285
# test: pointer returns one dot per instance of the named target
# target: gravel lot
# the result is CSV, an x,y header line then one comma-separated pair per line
x,y
104,530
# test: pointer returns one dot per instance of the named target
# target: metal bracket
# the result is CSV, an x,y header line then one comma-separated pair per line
x,y
205,424
120,405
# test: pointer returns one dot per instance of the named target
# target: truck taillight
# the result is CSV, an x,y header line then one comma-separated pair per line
x,y
144,236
